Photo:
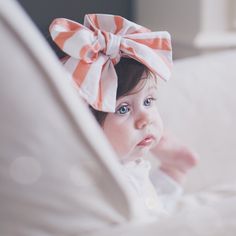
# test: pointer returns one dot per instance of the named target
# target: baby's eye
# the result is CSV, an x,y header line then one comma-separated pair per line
x,y
123,110
148,101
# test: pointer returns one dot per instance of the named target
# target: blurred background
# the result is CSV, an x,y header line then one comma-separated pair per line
x,y
197,26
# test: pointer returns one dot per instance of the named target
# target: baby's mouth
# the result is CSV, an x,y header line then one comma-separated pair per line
x,y
147,141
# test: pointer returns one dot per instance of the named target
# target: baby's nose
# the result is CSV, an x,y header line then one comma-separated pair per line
x,y
142,120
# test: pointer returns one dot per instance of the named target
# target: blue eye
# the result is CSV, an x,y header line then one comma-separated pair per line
x,y
148,101
123,110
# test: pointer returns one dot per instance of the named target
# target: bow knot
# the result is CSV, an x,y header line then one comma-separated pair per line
x,y
113,47
110,44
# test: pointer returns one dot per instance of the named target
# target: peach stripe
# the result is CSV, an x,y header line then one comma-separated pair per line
x,y
99,98
90,52
70,29
107,39
84,50
100,92
62,37
141,30
157,43
67,24
80,72
131,50
119,23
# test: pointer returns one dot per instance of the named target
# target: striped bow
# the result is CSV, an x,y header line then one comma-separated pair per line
x,y
95,47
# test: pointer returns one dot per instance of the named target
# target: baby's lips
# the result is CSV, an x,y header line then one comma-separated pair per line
x,y
147,140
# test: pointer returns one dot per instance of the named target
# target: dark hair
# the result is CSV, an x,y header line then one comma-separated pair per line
x,y
129,73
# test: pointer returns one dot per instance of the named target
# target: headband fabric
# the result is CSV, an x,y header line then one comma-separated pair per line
x,y
95,47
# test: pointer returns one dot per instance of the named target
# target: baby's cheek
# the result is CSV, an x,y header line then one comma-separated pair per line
x,y
159,127
122,145
118,142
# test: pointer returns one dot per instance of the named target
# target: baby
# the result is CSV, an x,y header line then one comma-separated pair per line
x,y
116,65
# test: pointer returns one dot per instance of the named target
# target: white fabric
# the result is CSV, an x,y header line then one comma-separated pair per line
x,y
57,180
168,190
157,192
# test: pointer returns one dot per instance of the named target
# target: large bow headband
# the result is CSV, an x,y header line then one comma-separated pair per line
x,y
95,47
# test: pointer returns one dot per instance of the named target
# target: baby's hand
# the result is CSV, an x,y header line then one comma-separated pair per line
x,y
175,158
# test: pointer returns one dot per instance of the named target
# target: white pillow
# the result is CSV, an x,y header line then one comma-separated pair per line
x,y
198,104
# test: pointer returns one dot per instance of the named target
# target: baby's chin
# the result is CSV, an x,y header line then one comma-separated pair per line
x,y
138,153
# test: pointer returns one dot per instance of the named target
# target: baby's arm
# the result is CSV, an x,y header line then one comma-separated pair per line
x,y
175,158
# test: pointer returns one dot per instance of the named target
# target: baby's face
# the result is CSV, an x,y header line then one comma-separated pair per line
x,y
136,125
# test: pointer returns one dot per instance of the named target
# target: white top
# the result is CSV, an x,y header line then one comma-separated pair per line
x,y
154,189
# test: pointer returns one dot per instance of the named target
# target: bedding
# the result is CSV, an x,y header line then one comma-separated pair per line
x,y
56,180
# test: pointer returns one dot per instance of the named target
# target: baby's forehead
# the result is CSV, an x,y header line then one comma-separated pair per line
x,y
151,83
146,85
